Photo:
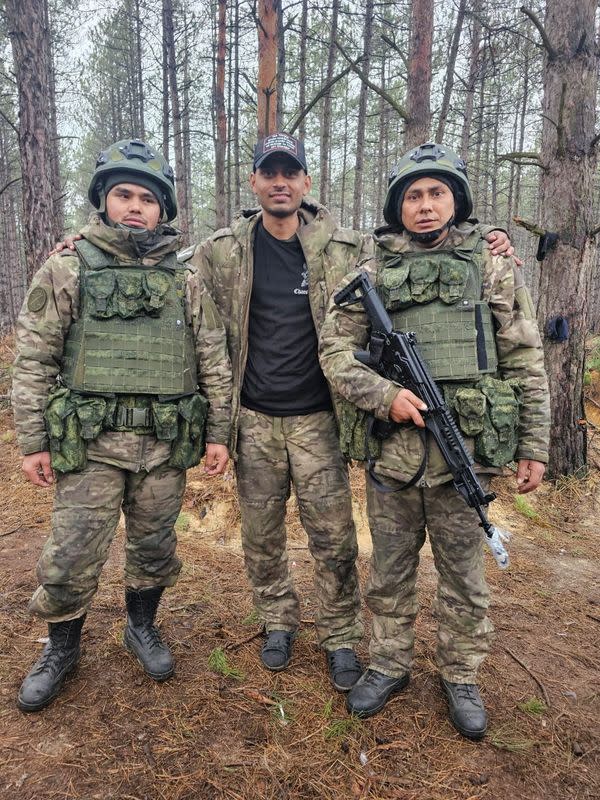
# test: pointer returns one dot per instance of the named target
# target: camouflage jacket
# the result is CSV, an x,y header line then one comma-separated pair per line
x,y
52,304
518,345
226,261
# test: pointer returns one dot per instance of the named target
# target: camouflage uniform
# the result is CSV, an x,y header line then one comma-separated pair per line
x,y
398,521
125,468
273,452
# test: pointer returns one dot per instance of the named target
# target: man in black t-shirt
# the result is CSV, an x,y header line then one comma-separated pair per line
x,y
271,275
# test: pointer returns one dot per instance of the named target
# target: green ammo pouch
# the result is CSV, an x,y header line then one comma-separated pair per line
x,y
130,297
424,274
497,443
166,420
101,288
470,406
354,442
156,285
394,290
68,450
453,280
189,446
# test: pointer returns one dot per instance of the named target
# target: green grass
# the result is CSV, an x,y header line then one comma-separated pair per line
x,y
593,359
507,738
339,728
533,706
183,522
281,713
252,618
328,709
217,661
524,507
7,436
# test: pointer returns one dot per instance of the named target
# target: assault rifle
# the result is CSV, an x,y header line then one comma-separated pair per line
x,y
395,356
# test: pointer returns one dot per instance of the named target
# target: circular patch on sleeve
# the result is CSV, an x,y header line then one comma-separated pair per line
x,y
37,299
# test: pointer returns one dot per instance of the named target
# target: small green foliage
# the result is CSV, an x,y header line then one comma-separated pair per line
x,y
252,618
183,522
524,507
7,436
339,728
217,661
587,378
507,738
328,709
593,358
533,706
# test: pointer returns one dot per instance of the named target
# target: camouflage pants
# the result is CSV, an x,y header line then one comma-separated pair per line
x,y
398,522
86,511
274,452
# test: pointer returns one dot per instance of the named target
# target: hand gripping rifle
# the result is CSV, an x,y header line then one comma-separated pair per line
x,y
395,356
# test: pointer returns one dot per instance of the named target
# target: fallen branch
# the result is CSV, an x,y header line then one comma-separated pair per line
x,y
13,530
529,672
532,227
237,645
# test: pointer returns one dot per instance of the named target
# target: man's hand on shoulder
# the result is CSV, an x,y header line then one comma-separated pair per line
x,y
67,243
38,469
216,458
500,245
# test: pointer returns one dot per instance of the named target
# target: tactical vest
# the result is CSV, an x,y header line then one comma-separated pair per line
x,y
438,296
131,336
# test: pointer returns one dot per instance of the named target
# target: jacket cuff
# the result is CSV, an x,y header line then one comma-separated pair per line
x,y
383,410
30,445
523,454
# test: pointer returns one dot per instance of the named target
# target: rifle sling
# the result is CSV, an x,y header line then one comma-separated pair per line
x,y
379,485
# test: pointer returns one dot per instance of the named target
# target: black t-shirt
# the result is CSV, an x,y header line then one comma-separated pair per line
x,y
283,377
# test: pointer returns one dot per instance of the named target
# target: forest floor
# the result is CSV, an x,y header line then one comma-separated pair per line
x,y
224,727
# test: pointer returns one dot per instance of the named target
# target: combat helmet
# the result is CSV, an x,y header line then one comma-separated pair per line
x,y
422,161
138,163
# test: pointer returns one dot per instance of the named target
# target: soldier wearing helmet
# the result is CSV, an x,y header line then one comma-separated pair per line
x,y
121,382
476,329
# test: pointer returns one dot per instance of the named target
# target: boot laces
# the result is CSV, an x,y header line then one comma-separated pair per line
x,y
152,637
467,691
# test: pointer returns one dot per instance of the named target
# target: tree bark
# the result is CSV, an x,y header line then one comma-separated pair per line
x,y
569,158
268,29
302,67
474,63
418,104
449,82
221,126
362,118
324,183
30,38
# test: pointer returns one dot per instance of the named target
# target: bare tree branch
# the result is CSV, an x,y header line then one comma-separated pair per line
x,y
321,93
400,110
552,53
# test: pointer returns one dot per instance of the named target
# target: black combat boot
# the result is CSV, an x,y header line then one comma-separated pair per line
x,y
467,712
141,636
59,657
372,691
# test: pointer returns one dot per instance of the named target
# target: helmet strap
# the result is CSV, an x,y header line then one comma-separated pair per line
x,y
430,236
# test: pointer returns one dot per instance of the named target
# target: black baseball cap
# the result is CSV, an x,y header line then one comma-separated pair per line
x,y
279,142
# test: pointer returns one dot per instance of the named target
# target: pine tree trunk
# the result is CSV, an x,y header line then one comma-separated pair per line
x,y
268,29
362,118
449,82
302,68
418,105
221,126
568,129
30,38
324,184
474,64
183,209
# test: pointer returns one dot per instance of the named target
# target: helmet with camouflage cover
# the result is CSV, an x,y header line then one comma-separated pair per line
x,y
420,162
133,161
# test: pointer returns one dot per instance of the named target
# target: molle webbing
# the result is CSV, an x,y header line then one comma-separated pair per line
x,y
456,342
437,295
131,337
